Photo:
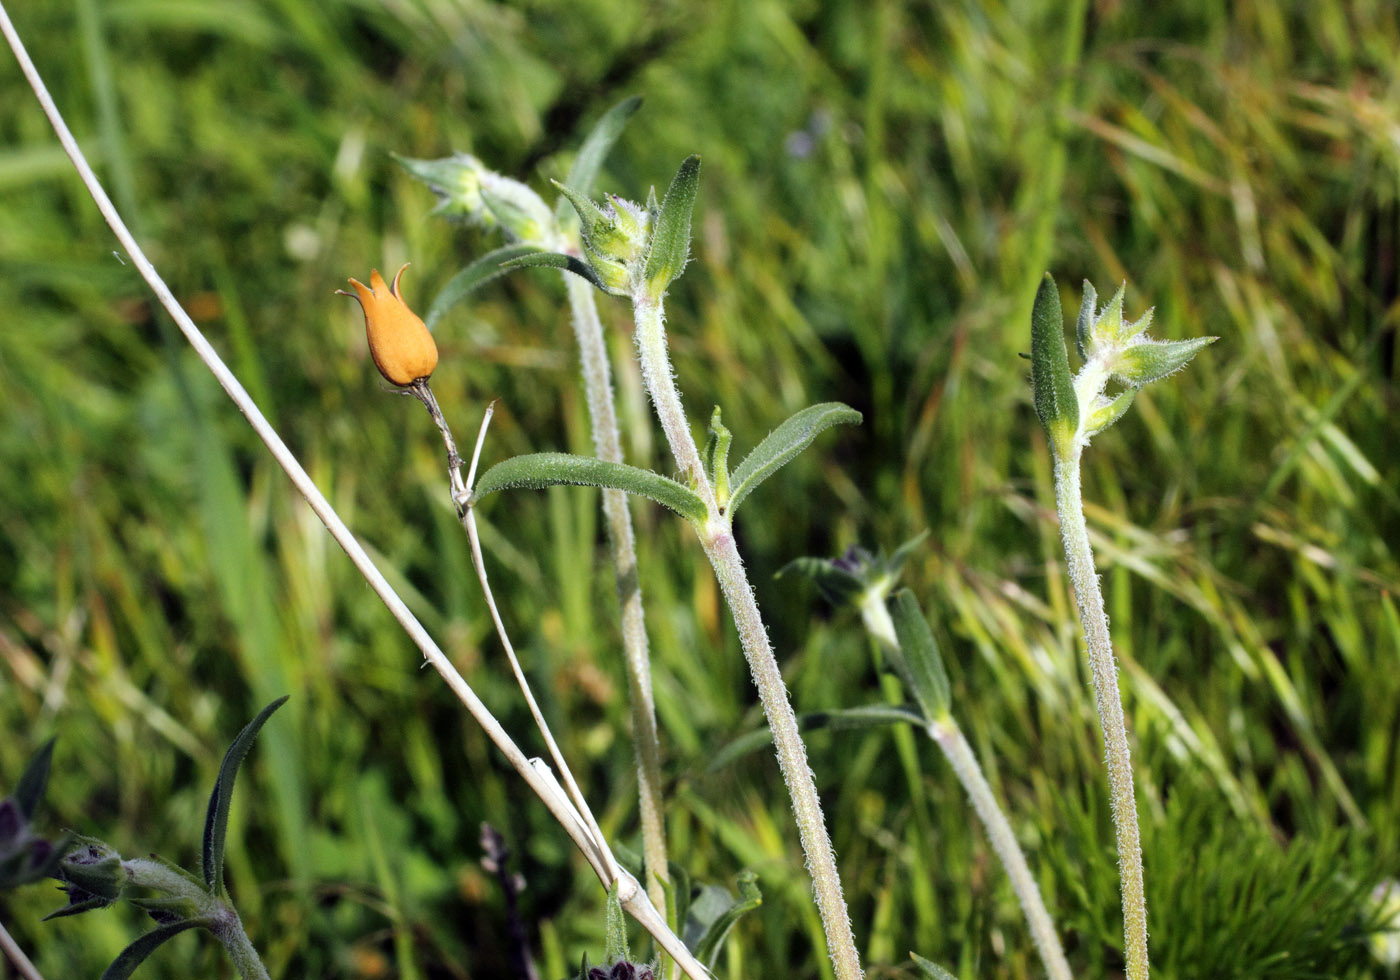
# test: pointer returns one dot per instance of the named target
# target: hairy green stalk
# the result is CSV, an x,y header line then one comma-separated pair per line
x,y
948,736
1074,409
1085,581
718,542
607,445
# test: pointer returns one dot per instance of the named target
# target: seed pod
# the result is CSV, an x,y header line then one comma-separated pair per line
x,y
400,344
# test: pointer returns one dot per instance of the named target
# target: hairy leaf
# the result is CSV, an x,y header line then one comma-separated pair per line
x,y
785,442
926,674
713,913
670,239
540,470
931,969
1055,400
556,260
135,954
485,269
216,821
595,149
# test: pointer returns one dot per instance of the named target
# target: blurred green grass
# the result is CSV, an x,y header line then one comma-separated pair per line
x,y
884,184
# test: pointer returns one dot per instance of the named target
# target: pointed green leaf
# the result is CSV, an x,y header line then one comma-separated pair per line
x,y
32,781
1152,360
540,470
1055,400
836,720
555,260
932,970
670,239
1108,326
485,269
785,442
713,913
615,948
717,457
596,147
216,821
596,226
927,676
1085,324
135,954
1108,412
76,908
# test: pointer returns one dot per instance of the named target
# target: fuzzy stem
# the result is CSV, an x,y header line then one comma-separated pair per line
x,y
718,542
660,383
219,916
950,739
948,736
607,444
23,965
1075,533
245,958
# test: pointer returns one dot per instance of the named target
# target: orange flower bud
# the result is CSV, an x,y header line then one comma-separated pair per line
x,y
400,344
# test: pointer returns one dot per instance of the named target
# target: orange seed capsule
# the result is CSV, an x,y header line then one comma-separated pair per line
x,y
400,344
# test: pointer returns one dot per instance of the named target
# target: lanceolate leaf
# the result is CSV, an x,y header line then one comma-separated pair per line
x,y
932,970
556,260
32,782
714,912
921,657
1055,400
595,149
785,442
216,822
1085,324
1152,360
670,240
541,470
837,719
473,277
135,954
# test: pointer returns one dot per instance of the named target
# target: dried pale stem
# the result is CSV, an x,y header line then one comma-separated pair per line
x,y
607,444
633,897
719,546
23,966
1122,804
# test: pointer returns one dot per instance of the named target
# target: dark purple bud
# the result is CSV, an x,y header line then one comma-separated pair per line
x,y
11,823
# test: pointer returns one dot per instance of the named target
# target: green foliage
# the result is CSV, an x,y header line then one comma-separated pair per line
x,y
922,664
216,821
783,444
670,237
878,193
1055,400
539,470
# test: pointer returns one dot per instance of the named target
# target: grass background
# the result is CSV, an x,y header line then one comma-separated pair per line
x,y
884,184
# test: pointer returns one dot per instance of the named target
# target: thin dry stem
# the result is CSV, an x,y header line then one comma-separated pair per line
x,y
635,901
23,966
